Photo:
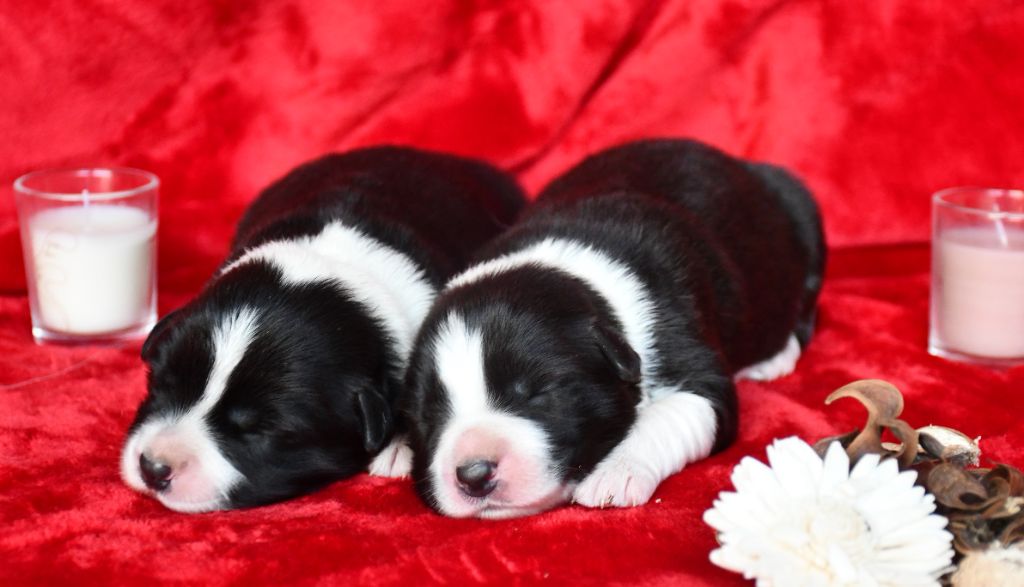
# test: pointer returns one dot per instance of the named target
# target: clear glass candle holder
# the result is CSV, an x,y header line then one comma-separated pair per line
x,y
89,240
977,298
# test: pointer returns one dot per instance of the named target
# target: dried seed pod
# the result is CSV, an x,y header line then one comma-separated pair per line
x,y
1013,533
955,488
949,445
1008,479
881,398
884,403
970,532
907,452
1005,487
997,566
984,507
821,447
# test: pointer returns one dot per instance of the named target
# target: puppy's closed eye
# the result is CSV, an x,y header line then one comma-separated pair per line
x,y
244,420
523,390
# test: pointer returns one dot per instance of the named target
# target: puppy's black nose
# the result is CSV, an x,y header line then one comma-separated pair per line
x,y
476,478
156,475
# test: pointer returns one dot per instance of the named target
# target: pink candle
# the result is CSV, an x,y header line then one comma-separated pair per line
x,y
980,291
978,276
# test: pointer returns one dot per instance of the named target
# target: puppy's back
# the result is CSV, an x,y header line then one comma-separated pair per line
x,y
753,226
455,204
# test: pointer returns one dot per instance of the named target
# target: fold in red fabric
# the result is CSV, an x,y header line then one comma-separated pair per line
x,y
875,104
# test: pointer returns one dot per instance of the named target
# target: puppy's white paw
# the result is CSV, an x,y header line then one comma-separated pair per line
x,y
616,482
780,365
394,461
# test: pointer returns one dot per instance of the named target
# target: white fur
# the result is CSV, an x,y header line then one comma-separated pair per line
x,y
393,288
780,365
394,461
230,341
459,357
525,483
669,433
673,427
202,476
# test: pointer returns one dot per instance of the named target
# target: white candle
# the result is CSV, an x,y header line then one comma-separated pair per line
x,y
92,267
981,310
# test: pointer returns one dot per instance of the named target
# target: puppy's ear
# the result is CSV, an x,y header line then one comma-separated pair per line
x,y
157,335
614,347
376,418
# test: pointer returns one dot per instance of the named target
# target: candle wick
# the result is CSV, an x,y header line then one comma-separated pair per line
x,y
1000,228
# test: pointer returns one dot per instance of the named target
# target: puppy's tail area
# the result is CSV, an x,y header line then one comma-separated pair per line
x,y
508,197
804,212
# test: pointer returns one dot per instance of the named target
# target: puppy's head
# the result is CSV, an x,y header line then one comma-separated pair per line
x,y
515,395
257,392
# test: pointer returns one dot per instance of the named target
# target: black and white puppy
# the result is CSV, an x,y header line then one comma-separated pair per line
x,y
591,352
280,376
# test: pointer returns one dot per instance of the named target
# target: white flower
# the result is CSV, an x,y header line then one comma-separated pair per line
x,y
803,521
996,566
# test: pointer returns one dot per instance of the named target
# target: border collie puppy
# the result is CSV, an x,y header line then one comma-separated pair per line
x,y
280,376
591,352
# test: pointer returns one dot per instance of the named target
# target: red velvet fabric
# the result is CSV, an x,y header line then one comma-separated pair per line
x,y
876,104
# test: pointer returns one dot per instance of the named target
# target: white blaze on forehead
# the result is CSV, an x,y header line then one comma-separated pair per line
x,y
391,286
230,341
459,356
475,429
615,282
202,476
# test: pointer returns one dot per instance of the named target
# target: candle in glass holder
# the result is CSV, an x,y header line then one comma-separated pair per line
x,y
92,267
978,276
89,243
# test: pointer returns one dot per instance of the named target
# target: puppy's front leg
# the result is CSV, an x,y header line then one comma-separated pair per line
x,y
676,429
394,461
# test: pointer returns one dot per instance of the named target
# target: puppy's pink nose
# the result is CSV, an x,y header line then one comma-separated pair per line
x,y
155,474
476,478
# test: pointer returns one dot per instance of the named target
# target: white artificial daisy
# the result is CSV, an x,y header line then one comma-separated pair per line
x,y
805,521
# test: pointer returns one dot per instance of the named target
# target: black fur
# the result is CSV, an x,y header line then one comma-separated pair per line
x,y
731,252
311,400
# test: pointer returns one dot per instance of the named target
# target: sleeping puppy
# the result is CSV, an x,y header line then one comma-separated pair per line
x,y
591,352
280,376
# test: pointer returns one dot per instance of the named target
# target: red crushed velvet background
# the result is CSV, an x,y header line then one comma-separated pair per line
x,y
876,104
